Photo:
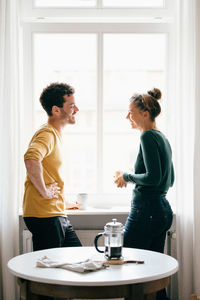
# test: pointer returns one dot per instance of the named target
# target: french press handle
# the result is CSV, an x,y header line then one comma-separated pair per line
x,y
96,240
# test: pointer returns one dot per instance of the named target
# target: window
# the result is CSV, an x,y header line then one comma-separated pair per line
x,y
74,62
128,67
101,3
105,63
133,3
65,3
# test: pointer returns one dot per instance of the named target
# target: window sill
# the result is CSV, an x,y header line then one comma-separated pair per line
x,y
119,210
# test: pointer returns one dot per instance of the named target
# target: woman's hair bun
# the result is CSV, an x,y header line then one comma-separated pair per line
x,y
155,93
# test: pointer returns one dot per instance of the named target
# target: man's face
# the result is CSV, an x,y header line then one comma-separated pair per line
x,y
68,110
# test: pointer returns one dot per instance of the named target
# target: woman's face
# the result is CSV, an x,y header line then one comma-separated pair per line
x,y
135,116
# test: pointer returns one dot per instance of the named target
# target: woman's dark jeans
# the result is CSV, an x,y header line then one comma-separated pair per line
x,y
146,227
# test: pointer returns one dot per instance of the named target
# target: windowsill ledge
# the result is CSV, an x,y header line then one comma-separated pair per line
x,y
119,210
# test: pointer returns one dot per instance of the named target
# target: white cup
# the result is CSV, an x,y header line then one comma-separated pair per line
x,y
82,200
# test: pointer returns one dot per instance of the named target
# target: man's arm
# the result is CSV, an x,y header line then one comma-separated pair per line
x,y
35,172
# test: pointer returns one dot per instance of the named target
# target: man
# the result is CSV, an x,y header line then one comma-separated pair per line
x,y
44,204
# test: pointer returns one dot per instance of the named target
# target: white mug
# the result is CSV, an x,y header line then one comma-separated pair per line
x,y
82,199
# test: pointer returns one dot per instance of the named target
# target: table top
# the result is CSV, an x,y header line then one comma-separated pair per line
x,y
156,266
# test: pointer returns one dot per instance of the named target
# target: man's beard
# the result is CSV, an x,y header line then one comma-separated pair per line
x,y
69,119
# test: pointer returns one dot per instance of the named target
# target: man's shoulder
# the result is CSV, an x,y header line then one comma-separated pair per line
x,y
45,129
44,134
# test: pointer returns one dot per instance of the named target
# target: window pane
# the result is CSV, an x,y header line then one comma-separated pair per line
x,y
133,3
80,163
132,63
71,58
120,152
65,3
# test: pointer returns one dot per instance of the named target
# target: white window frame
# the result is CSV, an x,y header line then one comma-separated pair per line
x,y
98,14
29,28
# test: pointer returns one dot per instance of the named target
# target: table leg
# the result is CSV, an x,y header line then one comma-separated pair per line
x,y
150,296
136,292
25,293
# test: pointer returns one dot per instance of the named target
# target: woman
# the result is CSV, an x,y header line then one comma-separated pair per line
x,y
151,215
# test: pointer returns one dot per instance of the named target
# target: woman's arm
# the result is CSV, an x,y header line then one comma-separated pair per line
x,y
151,157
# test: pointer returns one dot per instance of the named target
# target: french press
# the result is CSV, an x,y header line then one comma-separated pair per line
x,y
113,240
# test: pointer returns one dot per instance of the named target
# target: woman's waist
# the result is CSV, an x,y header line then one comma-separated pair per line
x,y
157,202
155,195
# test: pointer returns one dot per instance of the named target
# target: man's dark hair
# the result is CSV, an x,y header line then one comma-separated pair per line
x,y
53,95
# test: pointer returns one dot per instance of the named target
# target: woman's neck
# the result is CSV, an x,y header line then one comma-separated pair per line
x,y
149,126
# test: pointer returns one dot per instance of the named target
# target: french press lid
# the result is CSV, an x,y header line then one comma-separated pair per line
x,y
114,226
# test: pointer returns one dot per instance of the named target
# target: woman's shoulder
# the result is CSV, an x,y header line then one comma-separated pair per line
x,y
152,135
149,133
146,137
152,132
155,137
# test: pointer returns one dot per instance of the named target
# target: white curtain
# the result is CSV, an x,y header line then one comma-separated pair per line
x,y
187,110
10,136
196,234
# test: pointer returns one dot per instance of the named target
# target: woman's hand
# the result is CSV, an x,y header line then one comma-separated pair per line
x,y
120,182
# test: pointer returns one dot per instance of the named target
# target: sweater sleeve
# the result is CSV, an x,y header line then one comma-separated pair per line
x,y
152,163
172,175
40,146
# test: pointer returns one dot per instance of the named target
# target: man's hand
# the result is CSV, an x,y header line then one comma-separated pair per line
x,y
52,191
35,172
120,182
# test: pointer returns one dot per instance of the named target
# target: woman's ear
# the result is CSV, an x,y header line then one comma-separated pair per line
x,y
146,114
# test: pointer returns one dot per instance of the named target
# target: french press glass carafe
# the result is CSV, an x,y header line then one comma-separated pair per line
x,y
113,240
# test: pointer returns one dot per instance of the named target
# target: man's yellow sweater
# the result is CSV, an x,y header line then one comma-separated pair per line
x,y
45,147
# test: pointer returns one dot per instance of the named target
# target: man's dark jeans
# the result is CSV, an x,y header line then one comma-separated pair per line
x,y
51,232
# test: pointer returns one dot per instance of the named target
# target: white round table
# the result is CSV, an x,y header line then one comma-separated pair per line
x,y
131,281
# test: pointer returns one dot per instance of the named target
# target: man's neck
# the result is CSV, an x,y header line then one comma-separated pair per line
x,y
56,124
